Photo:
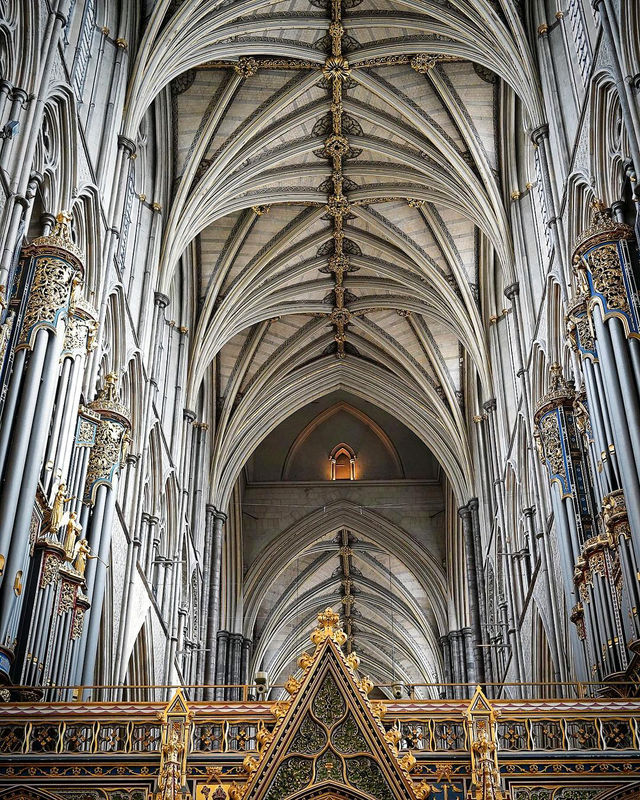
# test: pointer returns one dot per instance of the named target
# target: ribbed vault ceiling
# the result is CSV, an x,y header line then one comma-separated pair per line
x,y
337,190
259,93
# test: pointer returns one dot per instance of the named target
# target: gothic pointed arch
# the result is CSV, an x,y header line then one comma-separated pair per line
x,y
326,415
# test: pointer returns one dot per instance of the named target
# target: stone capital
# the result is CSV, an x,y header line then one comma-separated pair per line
x,y
539,133
220,516
127,144
512,290
161,299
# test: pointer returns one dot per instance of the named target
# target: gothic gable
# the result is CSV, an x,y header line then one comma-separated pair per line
x,y
329,740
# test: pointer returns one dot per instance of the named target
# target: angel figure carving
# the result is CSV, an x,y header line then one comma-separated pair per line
x,y
57,509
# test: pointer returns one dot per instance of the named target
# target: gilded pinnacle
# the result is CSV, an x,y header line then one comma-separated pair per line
x,y
328,628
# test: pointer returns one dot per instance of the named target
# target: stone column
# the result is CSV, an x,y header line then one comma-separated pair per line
x,y
206,589
235,664
475,667
221,662
212,672
247,649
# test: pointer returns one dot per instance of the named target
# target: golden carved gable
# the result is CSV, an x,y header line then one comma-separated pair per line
x,y
328,741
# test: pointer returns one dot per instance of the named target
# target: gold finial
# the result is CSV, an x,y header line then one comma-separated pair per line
x,y
378,708
62,228
603,228
560,392
107,401
556,375
63,220
328,628
60,237
235,791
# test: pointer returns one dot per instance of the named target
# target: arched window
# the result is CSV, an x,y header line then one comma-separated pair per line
x,y
343,463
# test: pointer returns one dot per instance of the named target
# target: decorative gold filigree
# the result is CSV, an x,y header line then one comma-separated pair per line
x,y
82,324
77,623
579,328
552,443
615,517
50,569
246,67
606,274
577,617
5,334
48,297
67,597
